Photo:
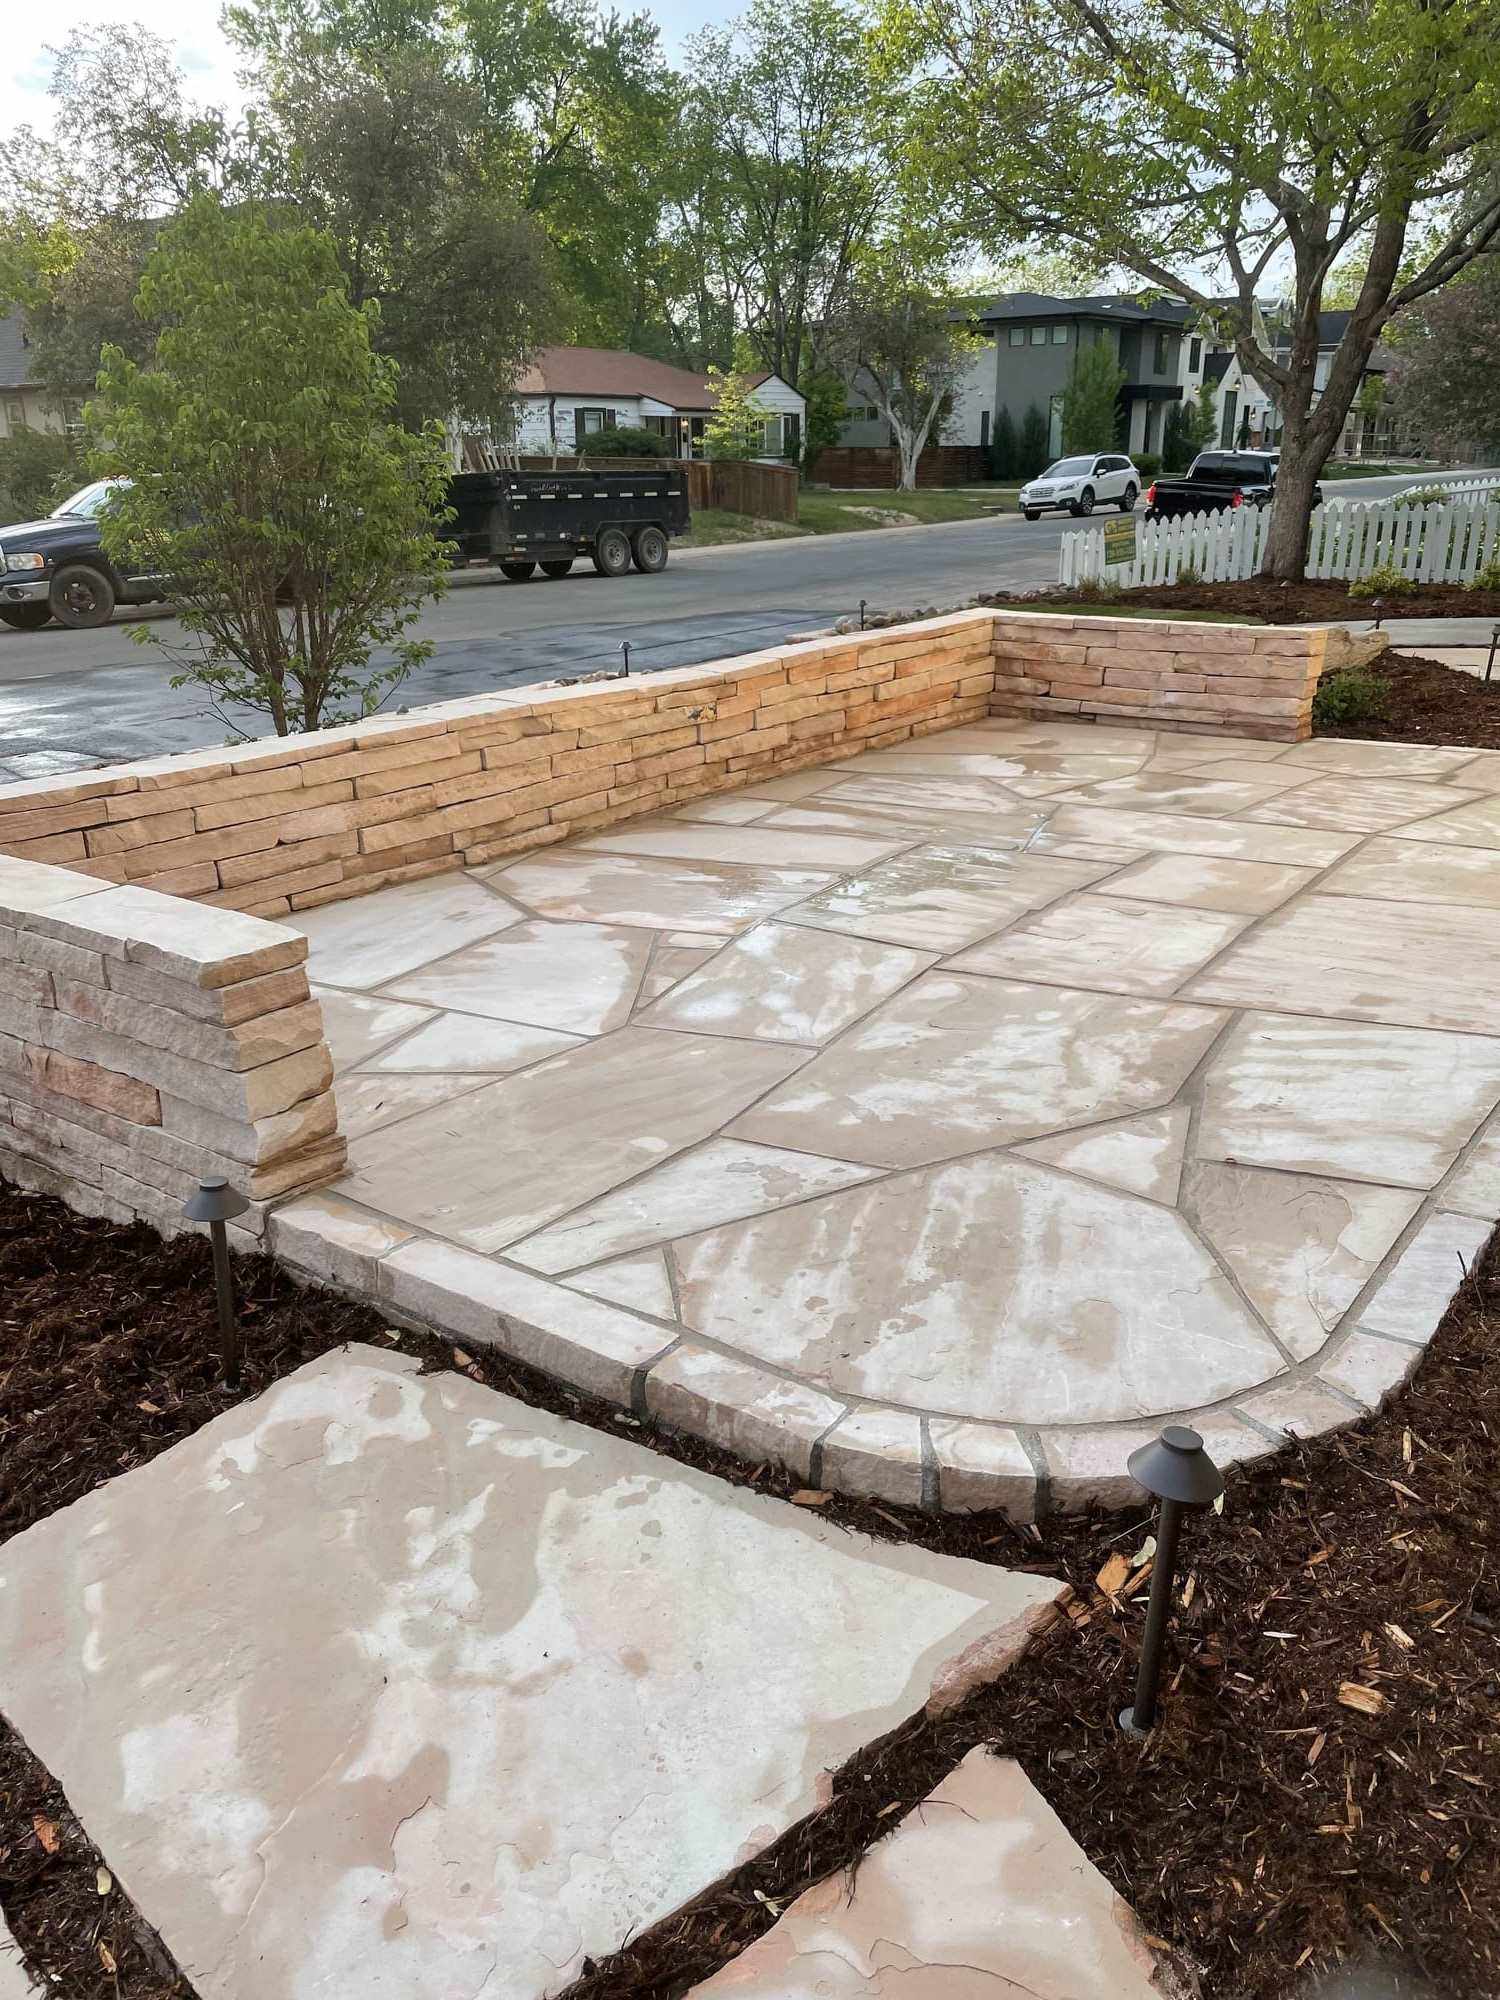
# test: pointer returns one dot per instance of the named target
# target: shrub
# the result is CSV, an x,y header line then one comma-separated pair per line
x,y
1188,575
1349,696
1005,447
1383,581
1032,455
1099,590
1147,463
1487,578
626,441
37,470
1421,496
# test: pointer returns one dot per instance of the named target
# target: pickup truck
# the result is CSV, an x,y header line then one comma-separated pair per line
x,y
519,521
1216,480
57,568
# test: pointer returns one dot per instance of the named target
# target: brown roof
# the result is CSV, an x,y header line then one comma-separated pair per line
x,y
605,371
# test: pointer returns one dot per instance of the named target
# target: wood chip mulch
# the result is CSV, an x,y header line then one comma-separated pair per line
x,y
1258,599
1325,1778
1428,702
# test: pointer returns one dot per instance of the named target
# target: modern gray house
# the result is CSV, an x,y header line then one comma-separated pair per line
x,y
1031,343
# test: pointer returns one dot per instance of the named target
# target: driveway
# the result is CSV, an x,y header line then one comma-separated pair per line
x,y
73,699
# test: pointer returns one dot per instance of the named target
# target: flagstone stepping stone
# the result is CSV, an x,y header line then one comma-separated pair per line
x,y
353,946
988,1287
1141,1155
656,894
957,1062
385,1684
579,979
979,1894
1360,1102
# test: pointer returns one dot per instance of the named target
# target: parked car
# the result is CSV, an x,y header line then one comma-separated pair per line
x,y
1216,480
57,568
1080,484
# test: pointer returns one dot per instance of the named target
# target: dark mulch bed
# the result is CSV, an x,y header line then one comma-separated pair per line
x,y
1266,1828
1427,702
1259,601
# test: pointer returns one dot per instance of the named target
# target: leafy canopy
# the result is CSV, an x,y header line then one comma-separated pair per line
x,y
267,477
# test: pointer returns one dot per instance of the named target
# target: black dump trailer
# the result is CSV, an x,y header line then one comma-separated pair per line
x,y
525,521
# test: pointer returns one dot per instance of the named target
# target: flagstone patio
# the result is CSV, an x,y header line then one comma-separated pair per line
x,y
942,1121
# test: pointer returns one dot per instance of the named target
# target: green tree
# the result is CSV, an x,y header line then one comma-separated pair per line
x,y
1090,414
909,343
1034,450
1175,137
827,413
1005,447
267,477
788,93
736,427
1445,385
1200,421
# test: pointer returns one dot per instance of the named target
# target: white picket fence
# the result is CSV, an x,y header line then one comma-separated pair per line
x,y
1442,542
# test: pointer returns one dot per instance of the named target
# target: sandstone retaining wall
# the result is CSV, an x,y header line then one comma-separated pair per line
x,y
1249,680
286,824
146,1043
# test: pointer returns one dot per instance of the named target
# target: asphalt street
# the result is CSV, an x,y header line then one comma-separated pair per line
x,y
73,699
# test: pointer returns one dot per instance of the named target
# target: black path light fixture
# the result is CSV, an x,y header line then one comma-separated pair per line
x,y
217,1203
1489,665
1179,1472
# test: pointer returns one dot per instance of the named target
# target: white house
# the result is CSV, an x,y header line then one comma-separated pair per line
x,y
570,392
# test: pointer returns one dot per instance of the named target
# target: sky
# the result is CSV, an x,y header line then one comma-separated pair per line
x,y
203,52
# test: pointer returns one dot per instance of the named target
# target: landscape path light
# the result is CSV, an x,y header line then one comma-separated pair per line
x,y
1180,1474
217,1203
1489,665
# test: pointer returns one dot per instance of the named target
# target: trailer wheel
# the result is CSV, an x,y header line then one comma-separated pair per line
x,y
559,567
518,572
649,548
612,552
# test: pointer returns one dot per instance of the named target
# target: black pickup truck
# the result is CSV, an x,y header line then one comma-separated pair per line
x,y
520,521
1216,480
56,568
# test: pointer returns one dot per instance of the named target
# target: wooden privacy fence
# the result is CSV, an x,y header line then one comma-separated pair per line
x,y
1440,542
738,486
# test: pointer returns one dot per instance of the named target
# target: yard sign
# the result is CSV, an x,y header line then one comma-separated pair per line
x,y
1119,541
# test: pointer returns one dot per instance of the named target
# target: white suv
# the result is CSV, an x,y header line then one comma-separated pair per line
x,y
1079,485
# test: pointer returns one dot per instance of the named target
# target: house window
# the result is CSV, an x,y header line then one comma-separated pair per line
x,y
769,443
1059,336
585,421
1039,336
1018,336
1195,355
984,430
657,424
1163,351
15,414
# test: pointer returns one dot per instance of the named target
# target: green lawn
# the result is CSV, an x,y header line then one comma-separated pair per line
x,y
844,512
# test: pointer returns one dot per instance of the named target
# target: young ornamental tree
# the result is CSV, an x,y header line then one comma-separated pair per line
x,y
1213,146
1445,385
736,428
912,347
1033,451
1090,412
265,476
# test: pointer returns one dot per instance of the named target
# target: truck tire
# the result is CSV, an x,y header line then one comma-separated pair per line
x,y
648,547
612,552
26,617
559,567
1128,499
518,572
81,597
1084,504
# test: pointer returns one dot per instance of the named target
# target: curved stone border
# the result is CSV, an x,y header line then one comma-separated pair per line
x,y
877,1451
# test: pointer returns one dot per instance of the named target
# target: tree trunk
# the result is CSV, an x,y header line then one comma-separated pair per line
x,y
909,450
1285,558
